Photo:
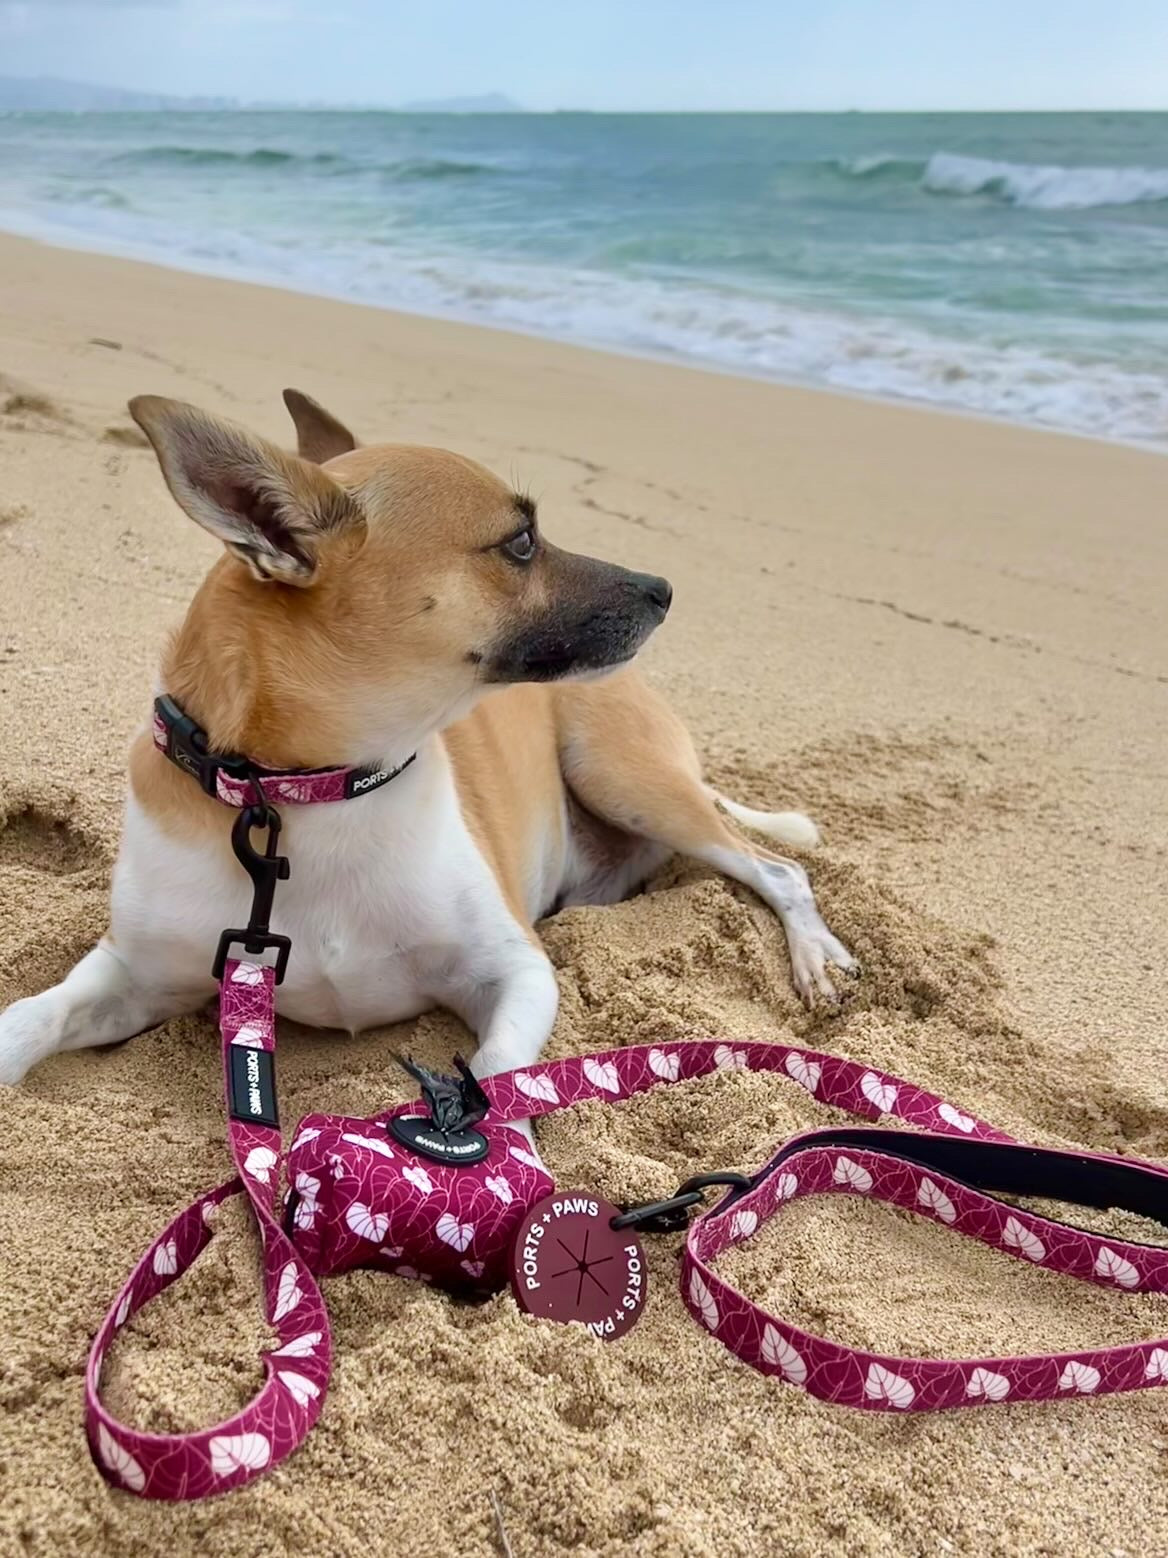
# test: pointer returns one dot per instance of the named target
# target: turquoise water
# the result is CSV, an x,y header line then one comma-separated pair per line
x,y
1014,265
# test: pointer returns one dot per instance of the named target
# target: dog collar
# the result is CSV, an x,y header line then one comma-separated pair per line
x,y
238,782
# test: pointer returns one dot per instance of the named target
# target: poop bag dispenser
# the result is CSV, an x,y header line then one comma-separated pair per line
x,y
436,1195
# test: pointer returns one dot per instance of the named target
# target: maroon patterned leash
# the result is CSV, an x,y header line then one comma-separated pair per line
x,y
940,1171
279,1417
448,1211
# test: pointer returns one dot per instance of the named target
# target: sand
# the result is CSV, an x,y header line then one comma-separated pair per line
x,y
943,638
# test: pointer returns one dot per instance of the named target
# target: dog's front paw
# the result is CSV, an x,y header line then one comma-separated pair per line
x,y
785,886
812,949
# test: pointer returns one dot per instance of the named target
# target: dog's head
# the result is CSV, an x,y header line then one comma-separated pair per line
x,y
377,591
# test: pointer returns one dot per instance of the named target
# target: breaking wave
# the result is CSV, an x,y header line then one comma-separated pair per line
x,y
1040,186
1044,188
268,157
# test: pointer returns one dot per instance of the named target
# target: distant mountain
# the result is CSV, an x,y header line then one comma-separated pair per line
x,y
47,94
488,103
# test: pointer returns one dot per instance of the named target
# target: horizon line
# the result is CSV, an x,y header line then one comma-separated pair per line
x,y
214,103
229,102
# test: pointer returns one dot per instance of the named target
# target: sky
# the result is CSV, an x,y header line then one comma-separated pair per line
x,y
610,54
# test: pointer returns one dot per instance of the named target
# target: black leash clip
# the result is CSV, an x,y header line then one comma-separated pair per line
x,y
671,1215
265,871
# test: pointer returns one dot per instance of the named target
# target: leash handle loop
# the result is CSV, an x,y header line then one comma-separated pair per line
x,y
280,1415
945,1168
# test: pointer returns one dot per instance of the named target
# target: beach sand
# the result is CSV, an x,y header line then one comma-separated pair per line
x,y
943,638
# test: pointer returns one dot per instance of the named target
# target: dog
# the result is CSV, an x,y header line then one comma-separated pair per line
x,y
375,605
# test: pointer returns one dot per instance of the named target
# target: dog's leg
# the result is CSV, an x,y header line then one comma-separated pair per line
x,y
784,886
511,1007
628,758
99,1002
514,1012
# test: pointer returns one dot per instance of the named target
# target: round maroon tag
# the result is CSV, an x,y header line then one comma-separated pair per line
x,y
569,1263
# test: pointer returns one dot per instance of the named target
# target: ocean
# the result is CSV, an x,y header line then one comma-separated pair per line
x,y
1011,265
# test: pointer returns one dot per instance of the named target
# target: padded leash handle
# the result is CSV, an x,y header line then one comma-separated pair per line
x,y
280,1415
948,1182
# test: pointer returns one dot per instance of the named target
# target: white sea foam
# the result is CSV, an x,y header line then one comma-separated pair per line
x,y
1045,188
1049,369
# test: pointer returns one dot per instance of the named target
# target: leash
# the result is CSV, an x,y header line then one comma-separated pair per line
x,y
947,1175
278,1418
454,1222
951,1169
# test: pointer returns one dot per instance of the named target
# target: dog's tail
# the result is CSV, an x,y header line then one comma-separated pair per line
x,y
787,827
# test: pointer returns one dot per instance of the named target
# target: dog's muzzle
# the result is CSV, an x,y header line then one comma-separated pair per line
x,y
598,626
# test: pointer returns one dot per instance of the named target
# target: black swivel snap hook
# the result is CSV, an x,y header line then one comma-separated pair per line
x,y
265,871
671,1215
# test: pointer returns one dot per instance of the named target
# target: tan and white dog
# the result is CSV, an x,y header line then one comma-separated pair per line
x,y
373,603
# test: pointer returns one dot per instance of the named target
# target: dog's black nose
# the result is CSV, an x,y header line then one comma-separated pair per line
x,y
659,592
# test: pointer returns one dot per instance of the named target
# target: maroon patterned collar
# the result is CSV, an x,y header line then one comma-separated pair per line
x,y
238,782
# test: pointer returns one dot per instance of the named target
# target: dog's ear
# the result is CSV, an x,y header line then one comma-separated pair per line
x,y
271,509
319,436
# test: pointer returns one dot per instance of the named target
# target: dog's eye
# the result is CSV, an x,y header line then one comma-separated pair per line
x,y
521,548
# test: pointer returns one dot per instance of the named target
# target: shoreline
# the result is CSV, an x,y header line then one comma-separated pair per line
x,y
75,243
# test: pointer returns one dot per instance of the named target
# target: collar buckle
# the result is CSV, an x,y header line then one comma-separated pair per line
x,y
186,747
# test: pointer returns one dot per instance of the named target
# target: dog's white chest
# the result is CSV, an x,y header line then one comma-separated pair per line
x,y
390,906
387,935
